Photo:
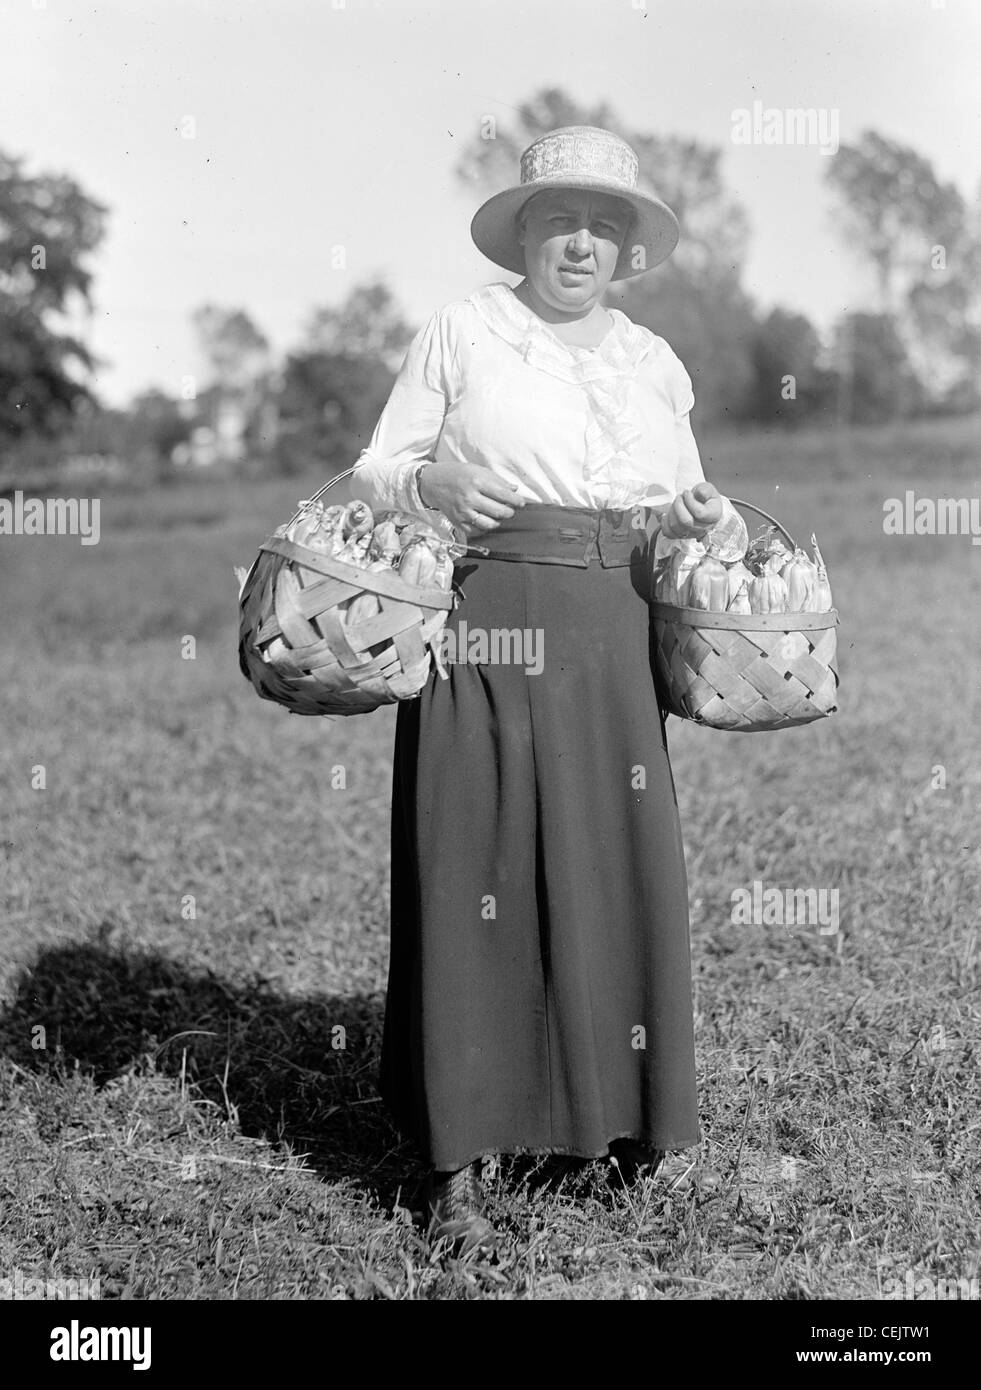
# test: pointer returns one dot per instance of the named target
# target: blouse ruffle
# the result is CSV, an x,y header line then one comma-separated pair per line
x,y
604,374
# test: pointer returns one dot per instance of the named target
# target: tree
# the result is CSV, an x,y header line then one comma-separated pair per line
x,y
237,353
328,406
334,387
709,322
48,227
924,246
235,349
157,425
895,209
368,324
790,386
878,382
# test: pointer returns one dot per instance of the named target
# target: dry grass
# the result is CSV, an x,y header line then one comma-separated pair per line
x,y
188,1131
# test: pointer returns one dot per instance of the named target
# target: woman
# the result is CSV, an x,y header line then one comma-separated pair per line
x,y
540,990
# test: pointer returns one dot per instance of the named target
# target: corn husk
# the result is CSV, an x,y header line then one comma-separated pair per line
x,y
728,540
685,560
663,587
444,568
358,520
417,529
418,563
385,542
361,608
799,575
354,551
765,548
737,579
739,603
709,586
768,593
317,527
821,600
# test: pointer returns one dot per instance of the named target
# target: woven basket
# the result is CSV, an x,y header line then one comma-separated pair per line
x,y
296,649
746,672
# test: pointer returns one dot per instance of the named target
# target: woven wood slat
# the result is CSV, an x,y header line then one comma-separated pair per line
x,y
296,646
298,631
746,679
373,581
312,599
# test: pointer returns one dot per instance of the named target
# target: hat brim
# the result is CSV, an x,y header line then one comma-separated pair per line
x,y
655,228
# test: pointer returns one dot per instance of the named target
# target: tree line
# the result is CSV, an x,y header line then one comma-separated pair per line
x,y
913,349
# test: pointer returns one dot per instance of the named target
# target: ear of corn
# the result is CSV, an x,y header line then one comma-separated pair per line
x,y
418,563
768,593
765,549
739,603
709,585
686,557
354,551
415,530
358,520
362,607
771,578
737,577
662,585
821,600
799,575
384,541
444,569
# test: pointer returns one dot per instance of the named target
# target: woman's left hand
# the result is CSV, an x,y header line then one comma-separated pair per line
x,y
693,512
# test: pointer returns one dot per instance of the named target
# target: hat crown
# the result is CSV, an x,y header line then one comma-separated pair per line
x,y
578,151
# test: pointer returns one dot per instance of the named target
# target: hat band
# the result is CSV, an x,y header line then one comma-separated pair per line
x,y
576,155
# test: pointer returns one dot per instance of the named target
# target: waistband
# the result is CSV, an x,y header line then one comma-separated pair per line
x,y
543,534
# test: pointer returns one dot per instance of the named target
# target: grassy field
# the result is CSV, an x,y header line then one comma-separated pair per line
x,y
190,908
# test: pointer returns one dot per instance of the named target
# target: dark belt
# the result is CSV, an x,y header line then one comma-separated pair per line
x,y
548,535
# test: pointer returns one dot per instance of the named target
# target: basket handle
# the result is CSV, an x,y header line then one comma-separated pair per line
x,y
338,478
751,507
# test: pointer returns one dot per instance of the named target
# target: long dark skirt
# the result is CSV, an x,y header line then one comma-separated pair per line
x,y
539,993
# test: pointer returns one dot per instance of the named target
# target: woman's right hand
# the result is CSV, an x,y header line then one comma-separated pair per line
x,y
693,513
472,496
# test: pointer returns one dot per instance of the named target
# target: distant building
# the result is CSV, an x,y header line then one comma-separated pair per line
x,y
200,451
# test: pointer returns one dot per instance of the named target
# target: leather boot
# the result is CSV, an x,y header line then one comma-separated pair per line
x,y
635,1160
455,1203
674,1171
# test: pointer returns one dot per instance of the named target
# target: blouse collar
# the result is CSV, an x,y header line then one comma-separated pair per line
x,y
620,352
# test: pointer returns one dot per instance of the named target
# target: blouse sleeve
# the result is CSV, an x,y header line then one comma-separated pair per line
x,y
408,427
689,463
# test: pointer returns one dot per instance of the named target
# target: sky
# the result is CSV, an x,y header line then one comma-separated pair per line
x,y
319,124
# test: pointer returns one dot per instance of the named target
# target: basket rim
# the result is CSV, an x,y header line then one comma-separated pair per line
x,y
748,622
390,585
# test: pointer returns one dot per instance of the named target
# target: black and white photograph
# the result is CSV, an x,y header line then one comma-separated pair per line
x,y
490,573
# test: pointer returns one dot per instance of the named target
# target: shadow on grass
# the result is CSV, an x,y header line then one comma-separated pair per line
x,y
273,1060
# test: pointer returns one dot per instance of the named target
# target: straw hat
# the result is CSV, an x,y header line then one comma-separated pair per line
x,y
578,156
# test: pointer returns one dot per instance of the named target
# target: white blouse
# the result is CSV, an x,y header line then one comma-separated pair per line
x,y
487,381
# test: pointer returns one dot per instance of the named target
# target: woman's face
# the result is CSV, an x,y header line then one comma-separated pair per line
x,y
572,239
